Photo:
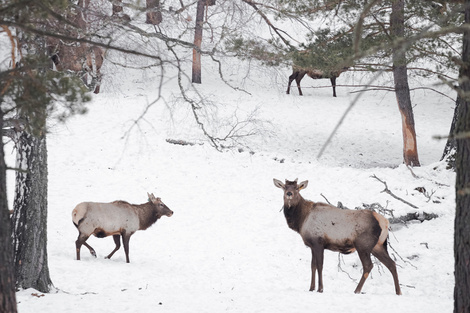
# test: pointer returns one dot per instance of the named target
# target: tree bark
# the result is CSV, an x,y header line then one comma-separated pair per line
x,y
117,9
402,89
462,184
196,77
30,213
450,149
7,278
154,13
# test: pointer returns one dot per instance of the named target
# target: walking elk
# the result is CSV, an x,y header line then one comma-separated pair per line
x,y
118,218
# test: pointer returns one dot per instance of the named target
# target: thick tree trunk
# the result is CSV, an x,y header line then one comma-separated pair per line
x,y
30,213
196,77
154,13
7,279
402,89
462,184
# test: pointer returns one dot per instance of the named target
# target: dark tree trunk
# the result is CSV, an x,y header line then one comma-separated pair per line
x,y
451,146
154,13
7,278
402,89
196,77
462,184
30,213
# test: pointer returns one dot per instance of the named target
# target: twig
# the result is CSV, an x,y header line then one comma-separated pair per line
x,y
325,198
386,190
341,269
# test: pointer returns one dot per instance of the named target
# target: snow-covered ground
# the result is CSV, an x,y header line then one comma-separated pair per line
x,y
227,247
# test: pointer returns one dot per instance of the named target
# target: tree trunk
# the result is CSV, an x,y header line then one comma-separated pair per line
x,y
117,9
7,278
154,13
462,184
450,149
30,213
402,89
196,78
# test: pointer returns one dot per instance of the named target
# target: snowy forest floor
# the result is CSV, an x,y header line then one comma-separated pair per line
x,y
227,247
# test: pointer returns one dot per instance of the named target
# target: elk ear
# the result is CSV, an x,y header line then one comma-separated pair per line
x,y
303,185
278,183
151,197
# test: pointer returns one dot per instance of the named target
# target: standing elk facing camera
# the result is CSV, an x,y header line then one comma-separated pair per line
x,y
323,226
118,218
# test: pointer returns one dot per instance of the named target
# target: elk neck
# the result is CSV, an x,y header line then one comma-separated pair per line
x,y
296,214
147,215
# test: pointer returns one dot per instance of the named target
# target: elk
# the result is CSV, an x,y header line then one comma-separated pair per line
x,y
118,218
298,74
323,226
80,58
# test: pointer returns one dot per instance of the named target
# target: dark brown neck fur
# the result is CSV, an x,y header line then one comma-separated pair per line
x,y
147,215
296,215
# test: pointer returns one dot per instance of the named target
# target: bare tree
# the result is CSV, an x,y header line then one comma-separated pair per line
x,y
402,89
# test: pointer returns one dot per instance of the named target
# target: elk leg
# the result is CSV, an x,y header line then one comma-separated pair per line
x,y
92,251
382,254
81,240
97,82
314,269
333,84
117,241
366,268
291,78
298,78
319,261
125,240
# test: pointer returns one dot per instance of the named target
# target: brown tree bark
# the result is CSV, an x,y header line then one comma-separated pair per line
x,y
402,89
196,74
7,279
462,184
154,13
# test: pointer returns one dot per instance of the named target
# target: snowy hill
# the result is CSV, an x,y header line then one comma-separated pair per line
x,y
227,247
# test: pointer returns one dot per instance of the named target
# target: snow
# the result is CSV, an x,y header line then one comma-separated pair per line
x,y
227,247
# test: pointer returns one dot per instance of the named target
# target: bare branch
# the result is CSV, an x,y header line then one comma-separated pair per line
x,y
387,191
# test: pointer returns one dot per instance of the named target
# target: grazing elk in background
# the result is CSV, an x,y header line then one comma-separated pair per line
x,y
80,58
323,226
298,74
118,218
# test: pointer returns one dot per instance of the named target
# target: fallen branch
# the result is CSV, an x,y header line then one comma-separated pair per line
x,y
387,191
415,216
180,142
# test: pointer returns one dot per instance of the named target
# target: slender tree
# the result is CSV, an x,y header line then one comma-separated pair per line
x,y
196,72
402,89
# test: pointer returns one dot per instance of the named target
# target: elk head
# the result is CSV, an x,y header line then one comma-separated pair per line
x,y
159,207
291,189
